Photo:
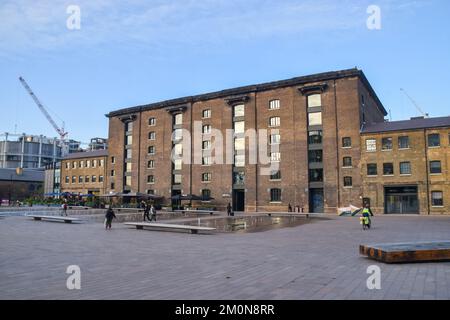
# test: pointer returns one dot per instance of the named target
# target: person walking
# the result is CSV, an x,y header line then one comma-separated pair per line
x,y
109,218
64,209
153,213
229,209
289,208
367,213
147,212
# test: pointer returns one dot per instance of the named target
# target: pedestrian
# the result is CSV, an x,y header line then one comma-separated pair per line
x,y
289,208
64,209
109,218
153,213
366,213
147,212
229,209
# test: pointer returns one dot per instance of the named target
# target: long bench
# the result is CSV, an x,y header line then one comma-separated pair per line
x,y
54,218
159,226
198,212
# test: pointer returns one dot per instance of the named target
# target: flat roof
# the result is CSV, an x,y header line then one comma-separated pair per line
x,y
412,124
87,154
28,175
255,88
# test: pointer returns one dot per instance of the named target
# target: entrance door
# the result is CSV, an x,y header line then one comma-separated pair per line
x,y
316,200
401,200
238,200
176,203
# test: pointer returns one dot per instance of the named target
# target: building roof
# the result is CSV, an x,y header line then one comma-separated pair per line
x,y
27,175
412,124
333,75
87,154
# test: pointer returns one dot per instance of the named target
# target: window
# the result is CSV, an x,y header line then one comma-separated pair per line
x,y
315,118
346,142
275,195
113,160
239,127
347,162
67,179
113,185
87,179
74,179
101,163
178,164
74,165
129,141
206,113
94,163
178,149
316,175
129,126
405,167
437,199
371,145
275,139
177,134
239,178
206,145
386,143
151,150
348,181
81,164
113,173
152,135
206,161
275,175
150,191
388,169
435,167
151,179
128,167
206,177
274,122
372,169
403,142
151,121
315,156
239,144
178,119
129,153
100,178
434,140
67,165
274,104
239,110
314,100
151,164
177,178
239,160
206,194
275,157
94,179
206,129
128,181
315,137
80,179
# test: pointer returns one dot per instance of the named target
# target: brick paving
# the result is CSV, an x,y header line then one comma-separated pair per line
x,y
313,261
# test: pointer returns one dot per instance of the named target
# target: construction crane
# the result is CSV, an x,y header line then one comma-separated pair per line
x,y
426,115
62,133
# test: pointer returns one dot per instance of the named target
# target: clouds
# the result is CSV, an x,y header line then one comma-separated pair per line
x,y
28,26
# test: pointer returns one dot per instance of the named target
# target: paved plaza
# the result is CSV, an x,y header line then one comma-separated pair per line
x,y
319,260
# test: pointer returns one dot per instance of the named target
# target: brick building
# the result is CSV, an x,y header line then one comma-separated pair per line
x,y
405,166
315,121
84,172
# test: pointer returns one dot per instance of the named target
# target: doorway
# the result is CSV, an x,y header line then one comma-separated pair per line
x,y
403,200
238,200
316,201
176,203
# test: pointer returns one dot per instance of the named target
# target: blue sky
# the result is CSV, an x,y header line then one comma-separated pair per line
x,y
135,52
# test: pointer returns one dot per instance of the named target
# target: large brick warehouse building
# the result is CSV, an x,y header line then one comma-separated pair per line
x,y
315,121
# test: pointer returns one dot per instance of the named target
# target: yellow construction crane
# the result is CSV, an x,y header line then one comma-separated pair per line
x,y
425,115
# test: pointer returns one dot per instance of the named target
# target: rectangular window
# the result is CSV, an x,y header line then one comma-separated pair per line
x,y
151,164
275,157
128,181
128,167
67,179
88,163
275,139
386,143
239,160
129,141
113,160
239,110
150,191
372,169
74,165
314,100
151,179
94,163
67,165
206,129
113,173
152,135
151,150
206,161
315,137
371,145
239,144
87,179
178,119
347,162
316,175
129,153
388,169
81,164
206,113
151,121
274,122
315,119
274,104
346,142
348,181
129,126
276,175
435,167
94,179
275,195
405,167
177,134
100,179
206,145
101,163
434,140
113,185
178,164
80,179
177,178
206,194
206,177
74,179
239,178
239,127
403,142
315,156
437,199
178,149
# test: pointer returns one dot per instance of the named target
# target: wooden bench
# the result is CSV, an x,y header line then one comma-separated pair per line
x,y
192,229
306,215
54,218
408,252
137,210
198,212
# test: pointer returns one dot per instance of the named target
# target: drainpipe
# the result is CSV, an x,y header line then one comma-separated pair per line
x,y
256,166
426,169
337,145
139,155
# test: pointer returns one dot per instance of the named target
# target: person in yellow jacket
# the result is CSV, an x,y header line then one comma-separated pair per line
x,y
366,213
